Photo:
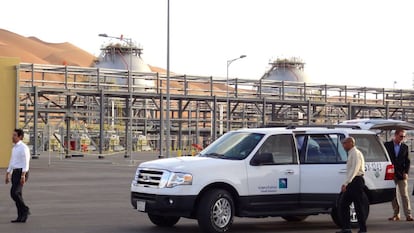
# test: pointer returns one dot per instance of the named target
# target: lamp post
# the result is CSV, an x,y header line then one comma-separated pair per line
x,y
128,152
167,118
227,91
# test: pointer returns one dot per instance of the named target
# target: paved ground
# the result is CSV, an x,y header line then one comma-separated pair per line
x,y
92,195
73,194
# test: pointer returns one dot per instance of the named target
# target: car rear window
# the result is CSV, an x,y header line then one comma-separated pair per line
x,y
371,147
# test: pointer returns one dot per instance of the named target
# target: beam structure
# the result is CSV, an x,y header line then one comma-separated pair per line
x,y
82,97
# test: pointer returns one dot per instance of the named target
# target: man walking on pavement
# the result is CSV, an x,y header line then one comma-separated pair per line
x,y
18,171
353,188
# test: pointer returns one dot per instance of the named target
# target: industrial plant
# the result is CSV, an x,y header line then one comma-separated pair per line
x,y
120,105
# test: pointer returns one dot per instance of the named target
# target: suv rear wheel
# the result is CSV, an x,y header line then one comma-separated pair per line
x,y
298,218
354,221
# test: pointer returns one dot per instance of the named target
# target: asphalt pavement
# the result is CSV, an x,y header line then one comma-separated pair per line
x,y
92,195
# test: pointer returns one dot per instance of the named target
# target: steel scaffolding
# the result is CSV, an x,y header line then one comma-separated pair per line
x,y
72,101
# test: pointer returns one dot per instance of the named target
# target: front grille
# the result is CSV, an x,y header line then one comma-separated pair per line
x,y
149,177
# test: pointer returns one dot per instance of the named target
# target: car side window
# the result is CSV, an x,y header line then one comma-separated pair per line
x,y
322,148
280,147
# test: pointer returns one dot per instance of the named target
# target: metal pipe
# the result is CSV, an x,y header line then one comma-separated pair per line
x,y
101,121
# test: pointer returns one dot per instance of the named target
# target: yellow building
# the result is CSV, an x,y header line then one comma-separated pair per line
x,y
8,113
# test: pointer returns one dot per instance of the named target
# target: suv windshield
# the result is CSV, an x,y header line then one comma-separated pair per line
x,y
233,145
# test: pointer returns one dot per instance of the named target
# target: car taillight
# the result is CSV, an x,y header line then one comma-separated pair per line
x,y
389,172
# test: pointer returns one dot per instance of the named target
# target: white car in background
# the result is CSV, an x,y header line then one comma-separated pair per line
x,y
384,128
378,124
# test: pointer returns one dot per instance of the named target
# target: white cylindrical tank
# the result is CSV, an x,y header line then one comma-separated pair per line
x,y
125,57
286,70
289,70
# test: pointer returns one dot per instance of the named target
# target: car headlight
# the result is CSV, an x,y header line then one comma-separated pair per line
x,y
177,178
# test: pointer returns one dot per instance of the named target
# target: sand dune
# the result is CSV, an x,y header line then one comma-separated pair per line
x,y
33,50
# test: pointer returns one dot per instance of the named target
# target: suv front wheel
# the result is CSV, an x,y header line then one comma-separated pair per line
x,y
216,211
163,221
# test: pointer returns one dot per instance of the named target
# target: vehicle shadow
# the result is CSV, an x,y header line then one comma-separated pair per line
x,y
247,226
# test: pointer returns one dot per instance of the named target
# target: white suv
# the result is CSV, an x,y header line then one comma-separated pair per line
x,y
262,172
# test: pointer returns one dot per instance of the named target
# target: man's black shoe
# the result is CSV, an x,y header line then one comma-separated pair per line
x,y
16,220
24,218
344,231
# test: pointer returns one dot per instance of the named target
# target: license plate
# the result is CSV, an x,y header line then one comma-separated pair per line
x,y
141,206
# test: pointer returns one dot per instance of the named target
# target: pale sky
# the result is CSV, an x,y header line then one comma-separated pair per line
x,y
348,42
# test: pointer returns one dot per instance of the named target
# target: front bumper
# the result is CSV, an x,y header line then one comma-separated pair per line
x,y
165,204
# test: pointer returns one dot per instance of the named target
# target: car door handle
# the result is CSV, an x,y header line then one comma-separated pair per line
x,y
342,171
289,172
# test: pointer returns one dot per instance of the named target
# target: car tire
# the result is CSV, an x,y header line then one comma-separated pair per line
x,y
335,215
163,221
215,212
298,218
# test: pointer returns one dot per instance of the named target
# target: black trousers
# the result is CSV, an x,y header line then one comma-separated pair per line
x,y
354,193
16,193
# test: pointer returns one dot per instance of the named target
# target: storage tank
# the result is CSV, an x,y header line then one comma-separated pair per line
x,y
125,56
290,70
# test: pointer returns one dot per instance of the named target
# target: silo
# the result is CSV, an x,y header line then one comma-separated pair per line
x,y
291,69
125,56
285,79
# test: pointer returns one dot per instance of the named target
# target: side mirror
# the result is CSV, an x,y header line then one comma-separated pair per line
x,y
262,159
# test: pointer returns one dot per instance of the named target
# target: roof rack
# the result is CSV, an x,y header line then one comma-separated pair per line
x,y
291,126
325,126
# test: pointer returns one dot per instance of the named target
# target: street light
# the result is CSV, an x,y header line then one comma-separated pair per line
x,y
227,91
168,123
128,152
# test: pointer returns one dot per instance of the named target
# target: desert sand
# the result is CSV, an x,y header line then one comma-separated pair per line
x,y
33,50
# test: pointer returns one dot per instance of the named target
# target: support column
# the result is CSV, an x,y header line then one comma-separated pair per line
x,y
161,143
128,110
35,121
387,110
214,123
264,113
197,130
101,121
67,119
308,114
180,125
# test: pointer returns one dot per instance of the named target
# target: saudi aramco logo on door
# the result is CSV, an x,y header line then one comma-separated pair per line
x,y
283,183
